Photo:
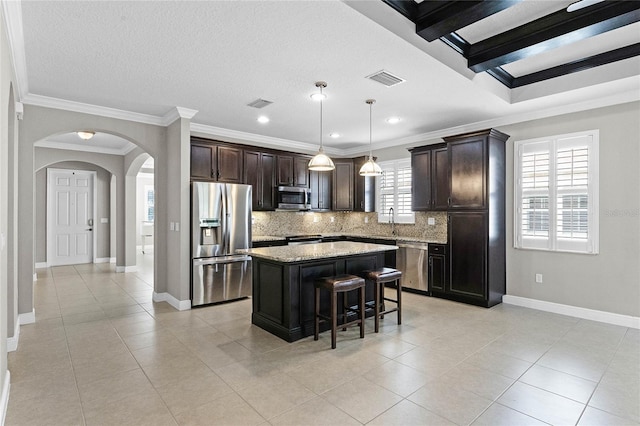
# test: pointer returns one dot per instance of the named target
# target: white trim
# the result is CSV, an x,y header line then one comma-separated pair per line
x,y
12,342
27,318
181,305
132,268
4,402
35,277
15,35
574,311
85,148
102,260
112,260
40,265
178,112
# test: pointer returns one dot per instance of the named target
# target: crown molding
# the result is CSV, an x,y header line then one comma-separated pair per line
x,y
66,105
12,11
85,148
176,113
229,135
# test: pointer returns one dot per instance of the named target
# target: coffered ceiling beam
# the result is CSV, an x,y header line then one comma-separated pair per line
x,y
554,30
407,8
436,19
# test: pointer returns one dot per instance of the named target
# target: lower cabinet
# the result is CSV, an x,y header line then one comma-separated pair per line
x,y
437,268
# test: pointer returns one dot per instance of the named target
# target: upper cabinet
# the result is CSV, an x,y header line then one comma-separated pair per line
x,y
213,162
430,179
364,196
343,184
260,173
293,171
321,190
470,178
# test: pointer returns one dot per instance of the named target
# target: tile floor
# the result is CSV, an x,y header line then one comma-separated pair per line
x,y
101,353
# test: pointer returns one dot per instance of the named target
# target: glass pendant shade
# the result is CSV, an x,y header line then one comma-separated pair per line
x,y
85,134
321,161
370,168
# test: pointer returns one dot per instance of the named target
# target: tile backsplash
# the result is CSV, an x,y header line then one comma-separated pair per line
x,y
366,224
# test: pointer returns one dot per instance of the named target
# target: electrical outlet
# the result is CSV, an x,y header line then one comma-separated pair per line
x,y
431,221
366,219
177,226
538,278
172,226
316,219
333,219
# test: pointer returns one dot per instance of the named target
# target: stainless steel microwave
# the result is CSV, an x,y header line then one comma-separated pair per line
x,y
293,198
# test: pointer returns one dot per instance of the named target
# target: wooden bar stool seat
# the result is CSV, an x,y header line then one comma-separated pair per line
x,y
339,284
379,277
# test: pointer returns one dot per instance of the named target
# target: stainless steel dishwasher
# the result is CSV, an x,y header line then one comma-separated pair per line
x,y
412,260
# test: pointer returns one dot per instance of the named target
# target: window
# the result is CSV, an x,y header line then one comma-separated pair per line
x,y
394,191
149,202
556,193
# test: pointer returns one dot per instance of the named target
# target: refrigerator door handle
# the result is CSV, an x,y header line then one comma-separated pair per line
x,y
220,259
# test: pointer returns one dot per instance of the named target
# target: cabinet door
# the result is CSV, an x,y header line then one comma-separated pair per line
x,y
202,162
421,180
285,170
229,164
268,175
437,273
301,172
468,233
320,183
467,165
439,179
252,177
343,186
364,196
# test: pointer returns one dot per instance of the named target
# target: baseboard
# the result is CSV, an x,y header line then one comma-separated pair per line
x,y
181,305
112,260
4,402
574,311
132,268
40,265
12,342
102,260
27,318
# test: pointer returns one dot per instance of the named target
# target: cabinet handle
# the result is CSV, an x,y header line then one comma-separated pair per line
x,y
448,201
430,261
213,173
218,175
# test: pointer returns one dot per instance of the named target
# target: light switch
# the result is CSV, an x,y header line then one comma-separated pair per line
x,y
172,226
177,226
104,220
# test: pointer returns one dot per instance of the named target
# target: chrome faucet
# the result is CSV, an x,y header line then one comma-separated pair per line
x,y
392,221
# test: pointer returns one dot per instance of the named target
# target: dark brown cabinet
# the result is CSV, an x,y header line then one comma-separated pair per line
x,y
437,268
260,172
321,190
343,185
468,169
430,178
216,163
293,171
468,233
364,191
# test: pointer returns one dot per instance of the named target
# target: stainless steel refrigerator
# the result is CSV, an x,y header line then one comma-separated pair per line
x,y
220,225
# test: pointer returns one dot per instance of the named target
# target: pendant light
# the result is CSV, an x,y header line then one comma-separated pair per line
x,y
321,162
370,168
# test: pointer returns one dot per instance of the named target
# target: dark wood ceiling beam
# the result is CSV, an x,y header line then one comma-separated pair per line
x,y
408,8
554,30
436,19
578,65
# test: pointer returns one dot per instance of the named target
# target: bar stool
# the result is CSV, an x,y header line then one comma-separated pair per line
x,y
339,284
380,277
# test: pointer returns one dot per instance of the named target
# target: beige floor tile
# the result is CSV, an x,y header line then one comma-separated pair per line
x,y
563,384
398,378
428,361
502,364
451,402
499,415
59,408
105,366
42,386
275,394
228,410
620,401
321,376
361,399
118,386
542,405
595,417
406,413
139,410
191,391
575,360
478,380
315,412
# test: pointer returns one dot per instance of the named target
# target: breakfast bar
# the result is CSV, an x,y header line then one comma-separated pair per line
x,y
283,276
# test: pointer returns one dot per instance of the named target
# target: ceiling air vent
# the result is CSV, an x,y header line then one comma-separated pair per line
x,y
386,78
260,103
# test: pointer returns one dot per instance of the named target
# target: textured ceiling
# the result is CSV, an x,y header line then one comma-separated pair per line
x,y
217,56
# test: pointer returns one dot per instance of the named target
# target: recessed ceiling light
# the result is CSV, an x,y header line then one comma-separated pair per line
x,y
263,119
393,120
86,134
334,135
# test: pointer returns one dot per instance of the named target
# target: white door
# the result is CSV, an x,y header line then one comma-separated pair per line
x,y
70,216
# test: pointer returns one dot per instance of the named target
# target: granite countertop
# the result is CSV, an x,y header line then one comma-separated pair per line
x,y
266,238
399,238
303,252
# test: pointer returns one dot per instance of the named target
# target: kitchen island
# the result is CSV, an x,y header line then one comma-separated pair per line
x,y
283,291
